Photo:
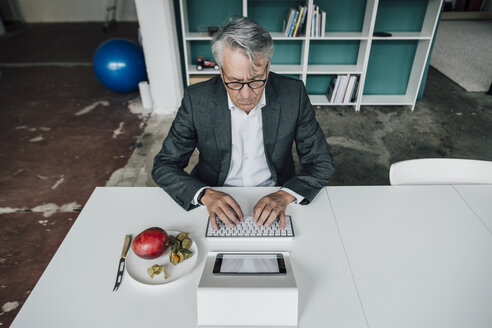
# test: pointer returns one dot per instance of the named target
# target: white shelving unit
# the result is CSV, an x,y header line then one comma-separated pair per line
x,y
383,79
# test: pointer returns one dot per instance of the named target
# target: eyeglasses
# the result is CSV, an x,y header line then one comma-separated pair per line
x,y
256,84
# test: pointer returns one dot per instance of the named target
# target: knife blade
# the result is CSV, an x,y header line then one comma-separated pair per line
x,y
121,265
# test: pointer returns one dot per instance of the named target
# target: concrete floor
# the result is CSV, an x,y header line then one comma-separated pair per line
x,y
64,134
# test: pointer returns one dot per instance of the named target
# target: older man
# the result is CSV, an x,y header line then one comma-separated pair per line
x,y
244,123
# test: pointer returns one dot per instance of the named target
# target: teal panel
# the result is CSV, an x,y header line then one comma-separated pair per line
x,y
200,48
343,15
203,13
333,52
390,64
400,15
272,15
318,84
287,52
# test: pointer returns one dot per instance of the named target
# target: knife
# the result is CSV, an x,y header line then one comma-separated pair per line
x,y
121,265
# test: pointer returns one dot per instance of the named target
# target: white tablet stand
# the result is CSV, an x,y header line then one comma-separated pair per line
x,y
239,300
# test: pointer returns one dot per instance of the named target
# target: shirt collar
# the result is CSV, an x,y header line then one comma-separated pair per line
x,y
260,105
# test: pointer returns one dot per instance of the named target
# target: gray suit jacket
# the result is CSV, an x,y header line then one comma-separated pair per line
x,y
204,121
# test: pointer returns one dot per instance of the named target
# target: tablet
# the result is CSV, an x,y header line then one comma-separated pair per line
x,y
249,264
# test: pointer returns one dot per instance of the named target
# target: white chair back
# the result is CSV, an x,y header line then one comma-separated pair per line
x,y
440,171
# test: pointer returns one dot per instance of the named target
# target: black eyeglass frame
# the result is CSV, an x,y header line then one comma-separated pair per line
x,y
245,83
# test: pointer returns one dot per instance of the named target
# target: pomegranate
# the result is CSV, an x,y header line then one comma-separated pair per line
x,y
151,243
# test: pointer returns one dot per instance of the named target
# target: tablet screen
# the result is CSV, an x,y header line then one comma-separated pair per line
x,y
249,263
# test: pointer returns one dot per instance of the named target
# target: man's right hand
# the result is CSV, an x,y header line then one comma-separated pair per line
x,y
221,205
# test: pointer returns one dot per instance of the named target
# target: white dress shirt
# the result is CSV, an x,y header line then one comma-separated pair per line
x,y
248,167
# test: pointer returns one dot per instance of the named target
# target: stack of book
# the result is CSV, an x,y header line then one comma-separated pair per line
x,y
296,22
318,22
343,89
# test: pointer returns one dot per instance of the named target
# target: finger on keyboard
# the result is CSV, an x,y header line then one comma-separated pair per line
x,y
248,228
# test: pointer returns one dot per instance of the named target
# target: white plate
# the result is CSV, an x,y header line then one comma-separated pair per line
x,y
137,267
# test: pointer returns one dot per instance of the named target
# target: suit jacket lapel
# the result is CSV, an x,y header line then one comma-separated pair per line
x,y
270,117
221,121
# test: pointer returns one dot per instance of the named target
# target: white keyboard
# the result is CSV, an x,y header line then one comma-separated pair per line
x,y
248,228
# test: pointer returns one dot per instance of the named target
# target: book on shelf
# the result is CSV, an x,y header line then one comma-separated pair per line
x,y
318,22
331,92
354,91
343,89
323,23
289,30
298,21
302,24
350,89
314,21
290,18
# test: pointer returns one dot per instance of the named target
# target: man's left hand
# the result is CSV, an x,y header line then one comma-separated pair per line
x,y
272,206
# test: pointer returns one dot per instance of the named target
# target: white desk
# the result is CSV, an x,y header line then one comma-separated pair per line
x,y
76,288
479,198
420,256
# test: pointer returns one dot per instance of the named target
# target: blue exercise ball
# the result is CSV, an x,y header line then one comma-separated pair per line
x,y
119,64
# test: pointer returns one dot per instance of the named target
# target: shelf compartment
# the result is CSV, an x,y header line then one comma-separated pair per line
x,y
419,16
345,16
318,84
287,52
203,13
389,67
317,88
198,48
272,14
336,52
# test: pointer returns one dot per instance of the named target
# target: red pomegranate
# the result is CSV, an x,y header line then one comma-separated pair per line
x,y
151,243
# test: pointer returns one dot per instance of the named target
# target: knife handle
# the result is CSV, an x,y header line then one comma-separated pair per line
x,y
126,245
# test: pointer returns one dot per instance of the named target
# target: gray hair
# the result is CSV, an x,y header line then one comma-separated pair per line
x,y
247,36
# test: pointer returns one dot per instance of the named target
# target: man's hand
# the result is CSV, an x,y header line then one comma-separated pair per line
x,y
269,207
222,205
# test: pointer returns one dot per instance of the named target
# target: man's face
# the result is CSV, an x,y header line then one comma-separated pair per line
x,y
235,68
